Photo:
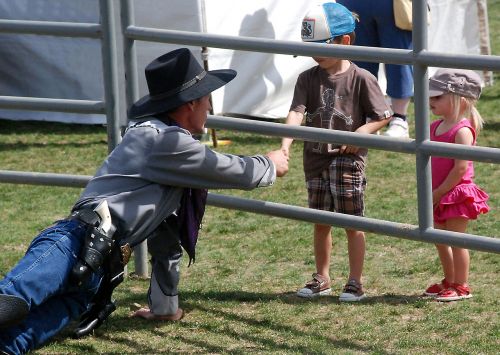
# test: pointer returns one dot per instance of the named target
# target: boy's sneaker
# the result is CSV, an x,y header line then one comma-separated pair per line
x,y
353,291
397,128
318,286
454,293
433,290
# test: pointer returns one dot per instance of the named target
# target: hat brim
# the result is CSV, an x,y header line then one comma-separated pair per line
x,y
434,92
214,79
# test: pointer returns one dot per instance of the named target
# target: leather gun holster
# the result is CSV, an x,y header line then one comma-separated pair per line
x,y
99,250
97,244
102,304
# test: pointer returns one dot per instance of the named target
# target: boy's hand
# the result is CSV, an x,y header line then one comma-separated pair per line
x,y
280,161
286,152
348,149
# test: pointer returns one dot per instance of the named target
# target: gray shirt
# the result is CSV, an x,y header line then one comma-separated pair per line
x,y
144,176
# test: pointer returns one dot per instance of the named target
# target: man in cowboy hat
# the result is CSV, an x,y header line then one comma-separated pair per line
x,y
151,186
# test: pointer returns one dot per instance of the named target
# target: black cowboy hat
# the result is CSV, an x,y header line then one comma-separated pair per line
x,y
174,79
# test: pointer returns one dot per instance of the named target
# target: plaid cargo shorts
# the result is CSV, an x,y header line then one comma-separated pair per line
x,y
340,188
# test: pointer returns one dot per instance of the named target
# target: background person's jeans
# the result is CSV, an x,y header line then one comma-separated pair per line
x,y
41,278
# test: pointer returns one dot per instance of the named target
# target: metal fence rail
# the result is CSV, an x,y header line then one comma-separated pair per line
x,y
104,32
421,146
400,230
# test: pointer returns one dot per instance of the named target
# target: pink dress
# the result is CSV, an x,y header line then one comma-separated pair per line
x,y
465,200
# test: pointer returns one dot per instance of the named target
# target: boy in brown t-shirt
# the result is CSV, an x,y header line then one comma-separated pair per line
x,y
335,94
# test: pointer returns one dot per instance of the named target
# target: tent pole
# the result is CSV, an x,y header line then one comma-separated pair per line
x,y
204,56
484,37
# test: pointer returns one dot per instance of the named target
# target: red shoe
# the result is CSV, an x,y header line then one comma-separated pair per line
x,y
454,293
433,290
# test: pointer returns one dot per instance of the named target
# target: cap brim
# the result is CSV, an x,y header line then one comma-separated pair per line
x,y
434,93
211,82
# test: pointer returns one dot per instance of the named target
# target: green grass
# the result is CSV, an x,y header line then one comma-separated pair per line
x,y
239,295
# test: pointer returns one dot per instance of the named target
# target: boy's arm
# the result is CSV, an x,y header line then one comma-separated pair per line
x,y
373,126
368,128
294,118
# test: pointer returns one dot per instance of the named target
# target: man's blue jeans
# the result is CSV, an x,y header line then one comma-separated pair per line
x,y
41,278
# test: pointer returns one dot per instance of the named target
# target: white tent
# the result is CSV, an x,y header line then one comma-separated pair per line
x,y
69,68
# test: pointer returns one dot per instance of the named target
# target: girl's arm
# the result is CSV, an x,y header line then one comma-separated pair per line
x,y
463,136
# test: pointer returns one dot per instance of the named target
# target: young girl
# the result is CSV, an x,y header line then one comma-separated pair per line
x,y
456,199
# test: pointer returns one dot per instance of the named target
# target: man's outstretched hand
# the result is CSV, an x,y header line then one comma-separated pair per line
x,y
280,161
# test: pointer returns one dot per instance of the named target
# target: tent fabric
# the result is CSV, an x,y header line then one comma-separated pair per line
x,y
71,68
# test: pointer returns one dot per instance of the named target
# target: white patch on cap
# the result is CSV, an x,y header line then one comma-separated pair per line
x,y
315,26
307,32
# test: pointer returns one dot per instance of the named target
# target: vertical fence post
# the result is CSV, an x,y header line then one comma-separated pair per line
x,y
132,95
421,100
110,73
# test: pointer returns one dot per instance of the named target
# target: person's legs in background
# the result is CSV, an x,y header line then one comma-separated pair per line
x,y
376,28
399,77
398,127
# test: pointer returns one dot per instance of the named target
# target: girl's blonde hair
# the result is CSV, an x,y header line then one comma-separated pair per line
x,y
469,111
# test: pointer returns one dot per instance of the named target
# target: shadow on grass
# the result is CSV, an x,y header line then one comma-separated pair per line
x,y
191,297
263,344
258,339
20,146
259,334
87,133
47,128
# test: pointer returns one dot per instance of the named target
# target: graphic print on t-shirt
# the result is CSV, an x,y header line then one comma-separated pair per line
x,y
325,115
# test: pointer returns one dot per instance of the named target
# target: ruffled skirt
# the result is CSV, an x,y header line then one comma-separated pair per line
x,y
463,201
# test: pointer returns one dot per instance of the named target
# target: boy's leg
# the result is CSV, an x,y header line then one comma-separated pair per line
x,y
319,198
353,290
322,249
356,251
347,185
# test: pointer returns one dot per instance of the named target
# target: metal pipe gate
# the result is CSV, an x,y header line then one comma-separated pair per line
x,y
421,146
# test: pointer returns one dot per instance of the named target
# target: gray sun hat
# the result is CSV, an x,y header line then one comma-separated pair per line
x,y
462,82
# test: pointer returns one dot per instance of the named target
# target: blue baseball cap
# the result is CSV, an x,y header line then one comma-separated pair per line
x,y
326,21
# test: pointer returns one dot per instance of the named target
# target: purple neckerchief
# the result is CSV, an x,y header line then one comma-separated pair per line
x,y
191,213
